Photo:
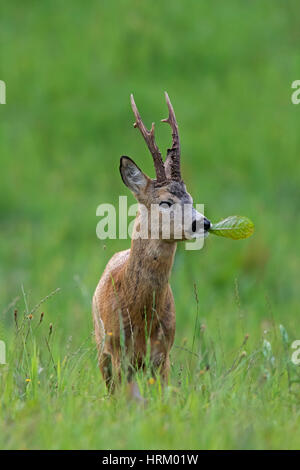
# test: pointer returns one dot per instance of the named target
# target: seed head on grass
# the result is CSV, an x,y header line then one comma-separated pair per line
x,y
16,318
245,340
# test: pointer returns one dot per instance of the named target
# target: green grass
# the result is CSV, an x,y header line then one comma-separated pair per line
x,y
228,69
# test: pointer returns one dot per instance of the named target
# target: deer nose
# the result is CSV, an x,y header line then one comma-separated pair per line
x,y
206,224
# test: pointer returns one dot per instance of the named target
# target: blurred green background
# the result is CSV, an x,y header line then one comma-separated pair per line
x,y
69,69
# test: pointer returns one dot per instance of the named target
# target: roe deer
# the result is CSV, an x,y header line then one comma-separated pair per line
x,y
134,292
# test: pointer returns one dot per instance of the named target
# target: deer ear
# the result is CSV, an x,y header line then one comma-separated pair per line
x,y
132,175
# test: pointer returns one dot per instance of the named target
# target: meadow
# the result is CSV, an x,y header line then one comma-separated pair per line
x,y
69,69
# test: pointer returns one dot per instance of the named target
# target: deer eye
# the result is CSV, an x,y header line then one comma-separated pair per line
x,y
165,204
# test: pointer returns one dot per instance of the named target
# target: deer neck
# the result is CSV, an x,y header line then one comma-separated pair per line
x,y
150,261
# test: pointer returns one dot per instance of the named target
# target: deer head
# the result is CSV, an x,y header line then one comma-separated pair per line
x,y
167,193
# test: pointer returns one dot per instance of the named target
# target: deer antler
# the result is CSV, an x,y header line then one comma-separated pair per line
x,y
150,141
172,164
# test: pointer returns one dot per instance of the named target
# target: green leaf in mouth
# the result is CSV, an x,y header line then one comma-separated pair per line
x,y
235,227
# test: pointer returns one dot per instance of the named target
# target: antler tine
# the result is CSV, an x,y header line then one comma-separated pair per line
x,y
172,163
150,141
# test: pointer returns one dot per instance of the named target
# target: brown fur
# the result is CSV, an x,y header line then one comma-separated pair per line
x,y
135,286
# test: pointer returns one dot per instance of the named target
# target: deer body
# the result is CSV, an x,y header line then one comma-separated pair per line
x,y
133,295
145,303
